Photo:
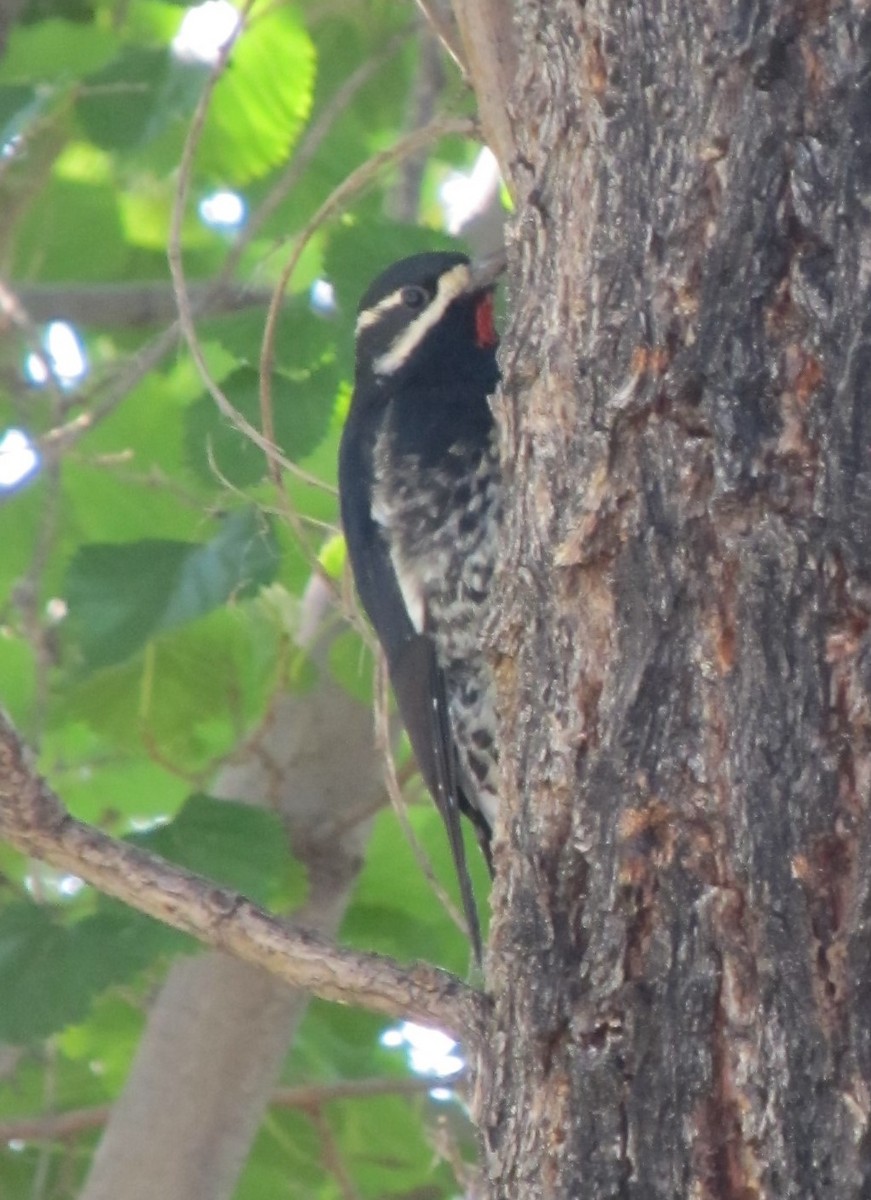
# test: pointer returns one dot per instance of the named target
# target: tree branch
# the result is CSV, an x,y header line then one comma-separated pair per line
x,y
59,1126
487,34
131,305
33,820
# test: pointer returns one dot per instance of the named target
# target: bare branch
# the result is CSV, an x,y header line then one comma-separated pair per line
x,y
33,820
59,1126
490,55
132,305
332,1157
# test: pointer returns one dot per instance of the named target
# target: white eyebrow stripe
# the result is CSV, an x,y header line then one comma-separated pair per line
x,y
450,285
369,316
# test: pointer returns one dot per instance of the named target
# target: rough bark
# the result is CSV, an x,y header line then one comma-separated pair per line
x,y
680,955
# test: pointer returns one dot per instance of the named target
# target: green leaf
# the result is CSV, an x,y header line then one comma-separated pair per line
x,y
55,239
301,408
261,101
286,1161
352,665
120,596
186,702
50,972
118,105
336,1041
109,789
238,845
40,986
303,339
359,249
410,1166
333,556
118,942
106,1042
18,672
53,50
395,909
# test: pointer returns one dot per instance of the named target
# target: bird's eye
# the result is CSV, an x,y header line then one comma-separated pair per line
x,y
414,298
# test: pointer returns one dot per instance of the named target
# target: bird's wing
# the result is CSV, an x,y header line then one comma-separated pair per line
x,y
419,687
418,682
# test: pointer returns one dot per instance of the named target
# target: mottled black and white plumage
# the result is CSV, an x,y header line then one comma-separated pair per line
x,y
421,505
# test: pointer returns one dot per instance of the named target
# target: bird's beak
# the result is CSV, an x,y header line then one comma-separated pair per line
x,y
484,272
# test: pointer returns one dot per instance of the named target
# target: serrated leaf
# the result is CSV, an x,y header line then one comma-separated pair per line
x,y
261,101
50,972
120,596
188,696
303,339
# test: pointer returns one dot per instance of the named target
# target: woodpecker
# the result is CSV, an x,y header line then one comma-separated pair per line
x,y
421,501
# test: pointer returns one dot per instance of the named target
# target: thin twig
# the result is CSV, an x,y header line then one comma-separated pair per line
x,y
116,387
441,20
13,310
335,202
174,250
331,1155
338,198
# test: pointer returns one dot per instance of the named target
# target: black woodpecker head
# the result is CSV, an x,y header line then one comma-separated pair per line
x,y
427,317
421,505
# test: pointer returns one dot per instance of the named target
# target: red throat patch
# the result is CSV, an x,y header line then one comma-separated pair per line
x,y
485,331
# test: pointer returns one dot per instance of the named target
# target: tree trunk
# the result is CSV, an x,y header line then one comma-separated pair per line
x,y
219,1030
680,954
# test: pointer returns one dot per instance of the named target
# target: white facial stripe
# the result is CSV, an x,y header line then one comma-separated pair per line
x,y
370,316
452,284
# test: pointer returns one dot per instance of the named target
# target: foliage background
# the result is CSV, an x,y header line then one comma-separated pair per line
x,y
154,561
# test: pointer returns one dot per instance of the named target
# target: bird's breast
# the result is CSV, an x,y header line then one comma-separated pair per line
x,y
441,522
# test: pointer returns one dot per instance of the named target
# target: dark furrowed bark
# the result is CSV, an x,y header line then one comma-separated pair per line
x,y
680,959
